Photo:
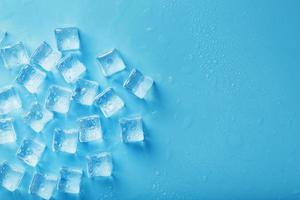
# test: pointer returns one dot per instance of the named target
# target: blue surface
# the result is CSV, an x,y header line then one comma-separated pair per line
x,y
223,122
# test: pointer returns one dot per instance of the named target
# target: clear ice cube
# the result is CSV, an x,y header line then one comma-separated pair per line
x,y
71,68
85,91
43,185
111,62
59,99
109,102
132,129
31,78
138,84
2,36
45,57
31,151
9,100
67,39
10,176
65,140
90,128
38,117
99,165
7,131
70,180
14,56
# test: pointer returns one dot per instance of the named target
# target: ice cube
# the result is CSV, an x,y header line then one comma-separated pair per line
x,y
10,176
14,56
31,78
99,165
9,100
111,62
31,151
90,128
45,57
67,39
71,68
85,91
38,117
59,99
43,185
109,102
65,140
132,129
7,131
138,84
2,36
70,180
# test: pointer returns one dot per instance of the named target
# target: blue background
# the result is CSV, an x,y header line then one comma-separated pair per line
x,y
223,119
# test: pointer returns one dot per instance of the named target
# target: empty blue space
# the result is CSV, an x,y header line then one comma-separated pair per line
x,y
223,120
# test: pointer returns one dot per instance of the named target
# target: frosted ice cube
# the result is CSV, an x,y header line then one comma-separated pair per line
x,y
38,117
71,68
85,91
31,78
43,185
45,57
59,99
99,165
109,102
90,128
138,84
67,39
10,176
70,180
31,151
132,129
14,56
9,100
7,131
65,140
111,62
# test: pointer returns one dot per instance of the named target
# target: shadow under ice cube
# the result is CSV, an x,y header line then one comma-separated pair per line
x,y
138,84
31,78
90,128
132,129
38,117
70,180
99,165
59,99
7,131
45,57
67,39
109,102
71,68
10,176
14,56
31,152
85,91
65,140
9,100
111,62
43,185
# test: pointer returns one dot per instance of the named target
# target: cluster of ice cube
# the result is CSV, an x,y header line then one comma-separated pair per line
x,y
33,71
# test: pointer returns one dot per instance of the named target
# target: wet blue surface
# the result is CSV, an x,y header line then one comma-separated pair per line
x,y
223,119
